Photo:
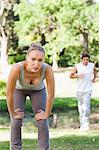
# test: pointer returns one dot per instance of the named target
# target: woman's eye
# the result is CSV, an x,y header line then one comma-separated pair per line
x,y
33,59
40,60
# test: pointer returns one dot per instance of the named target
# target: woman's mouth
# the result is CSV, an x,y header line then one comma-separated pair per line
x,y
35,68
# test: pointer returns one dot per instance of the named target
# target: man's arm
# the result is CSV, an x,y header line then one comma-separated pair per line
x,y
73,73
94,73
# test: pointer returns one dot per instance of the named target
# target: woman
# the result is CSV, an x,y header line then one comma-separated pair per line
x,y
27,79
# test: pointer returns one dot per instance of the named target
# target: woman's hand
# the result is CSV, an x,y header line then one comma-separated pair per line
x,y
40,115
18,114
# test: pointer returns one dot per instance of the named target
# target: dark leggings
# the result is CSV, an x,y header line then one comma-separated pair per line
x,y
38,100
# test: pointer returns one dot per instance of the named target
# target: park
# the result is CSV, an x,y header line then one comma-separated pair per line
x,y
65,29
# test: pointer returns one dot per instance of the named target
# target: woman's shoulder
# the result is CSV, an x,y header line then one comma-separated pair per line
x,y
17,66
47,66
15,71
20,63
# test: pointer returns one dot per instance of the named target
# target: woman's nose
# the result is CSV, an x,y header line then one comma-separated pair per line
x,y
36,63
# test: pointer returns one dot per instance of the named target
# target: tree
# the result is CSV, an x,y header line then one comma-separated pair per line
x,y
39,23
58,25
3,36
6,31
79,20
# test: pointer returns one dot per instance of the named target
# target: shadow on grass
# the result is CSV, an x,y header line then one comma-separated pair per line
x,y
61,143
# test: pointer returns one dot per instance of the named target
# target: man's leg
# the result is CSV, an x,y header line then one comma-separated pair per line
x,y
80,109
86,109
39,102
19,101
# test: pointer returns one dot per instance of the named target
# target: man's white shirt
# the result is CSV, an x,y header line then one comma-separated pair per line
x,y
85,84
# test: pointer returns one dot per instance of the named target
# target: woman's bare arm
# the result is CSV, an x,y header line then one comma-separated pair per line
x,y
50,83
11,83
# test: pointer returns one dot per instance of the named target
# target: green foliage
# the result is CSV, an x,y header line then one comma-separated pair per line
x,y
3,106
60,105
25,26
2,88
16,58
69,55
7,19
57,25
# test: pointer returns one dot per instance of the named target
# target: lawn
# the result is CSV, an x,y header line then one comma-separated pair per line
x,y
68,141
64,136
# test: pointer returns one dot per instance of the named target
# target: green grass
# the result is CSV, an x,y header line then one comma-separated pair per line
x,y
70,142
65,137
65,108
60,104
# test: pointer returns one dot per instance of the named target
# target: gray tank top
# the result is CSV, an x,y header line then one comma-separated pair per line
x,y
21,84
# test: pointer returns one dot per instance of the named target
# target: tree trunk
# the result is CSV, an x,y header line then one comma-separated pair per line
x,y
84,39
3,38
4,55
55,63
4,60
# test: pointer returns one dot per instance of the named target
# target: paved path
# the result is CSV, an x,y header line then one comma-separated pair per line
x,y
66,87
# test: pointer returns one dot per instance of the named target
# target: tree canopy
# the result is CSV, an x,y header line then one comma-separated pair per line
x,y
65,28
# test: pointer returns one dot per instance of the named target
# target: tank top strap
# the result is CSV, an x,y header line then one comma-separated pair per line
x,y
43,70
21,70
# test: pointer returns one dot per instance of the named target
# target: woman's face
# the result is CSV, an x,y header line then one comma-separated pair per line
x,y
35,60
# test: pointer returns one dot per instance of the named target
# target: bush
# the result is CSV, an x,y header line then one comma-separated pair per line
x,y
16,58
3,106
2,88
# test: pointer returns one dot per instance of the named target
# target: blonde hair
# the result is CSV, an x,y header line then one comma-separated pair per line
x,y
37,47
